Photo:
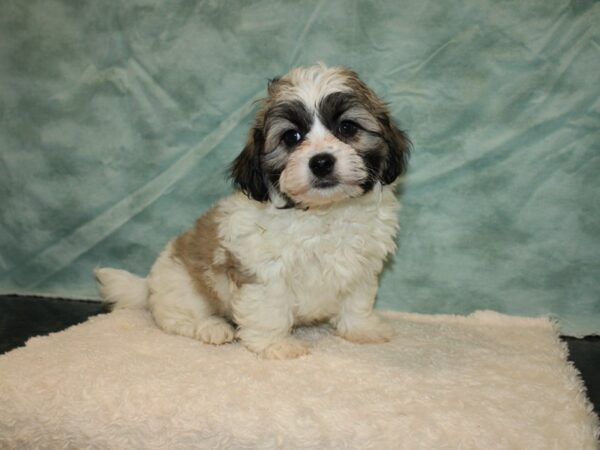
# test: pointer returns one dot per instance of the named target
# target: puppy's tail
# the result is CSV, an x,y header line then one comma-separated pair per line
x,y
121,289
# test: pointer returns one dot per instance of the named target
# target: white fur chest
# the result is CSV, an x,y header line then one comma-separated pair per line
x,y
316,255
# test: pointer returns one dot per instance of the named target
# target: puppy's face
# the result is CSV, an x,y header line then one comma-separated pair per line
x,y
321,136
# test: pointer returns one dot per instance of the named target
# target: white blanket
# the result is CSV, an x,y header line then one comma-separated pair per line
x,y
485,381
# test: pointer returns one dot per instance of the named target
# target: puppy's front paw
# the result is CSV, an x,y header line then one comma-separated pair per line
x,y
214,331
373,333
288,348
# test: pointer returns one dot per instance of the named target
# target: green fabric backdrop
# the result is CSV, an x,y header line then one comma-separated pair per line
x,y
119,118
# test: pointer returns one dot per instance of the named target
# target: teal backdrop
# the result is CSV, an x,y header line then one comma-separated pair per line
x,y
118,119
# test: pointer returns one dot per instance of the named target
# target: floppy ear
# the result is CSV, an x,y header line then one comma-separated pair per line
x,y
396,160
246,169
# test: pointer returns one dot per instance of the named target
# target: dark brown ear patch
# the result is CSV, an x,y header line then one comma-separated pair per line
x,y
396,161
246,170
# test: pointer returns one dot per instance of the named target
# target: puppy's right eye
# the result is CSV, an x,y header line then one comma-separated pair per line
x,y
291,137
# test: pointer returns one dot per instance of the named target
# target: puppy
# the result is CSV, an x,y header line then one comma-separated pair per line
x,y
304,238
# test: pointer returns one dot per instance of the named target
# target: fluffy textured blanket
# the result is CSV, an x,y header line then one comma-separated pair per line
x,y
477,382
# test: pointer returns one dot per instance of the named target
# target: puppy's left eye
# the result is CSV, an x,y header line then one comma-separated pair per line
x,y
347,128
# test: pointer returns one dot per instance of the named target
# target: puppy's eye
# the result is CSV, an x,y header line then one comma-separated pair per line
x,y
291,137
347,128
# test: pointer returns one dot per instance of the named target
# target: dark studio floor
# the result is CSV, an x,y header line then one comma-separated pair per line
x,y
24,317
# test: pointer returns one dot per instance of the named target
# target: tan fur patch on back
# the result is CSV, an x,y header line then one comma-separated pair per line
x,y
204,258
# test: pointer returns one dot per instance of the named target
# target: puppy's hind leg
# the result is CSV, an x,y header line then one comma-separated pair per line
x,y
179,308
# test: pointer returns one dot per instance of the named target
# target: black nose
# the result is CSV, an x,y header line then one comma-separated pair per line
x,y
322,164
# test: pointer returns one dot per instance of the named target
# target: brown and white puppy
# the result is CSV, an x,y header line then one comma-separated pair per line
x,y
304,239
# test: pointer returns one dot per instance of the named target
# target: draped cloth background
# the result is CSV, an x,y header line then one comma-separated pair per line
x,y
119,118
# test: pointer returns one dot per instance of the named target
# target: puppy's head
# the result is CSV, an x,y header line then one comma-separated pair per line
x,y
320,136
